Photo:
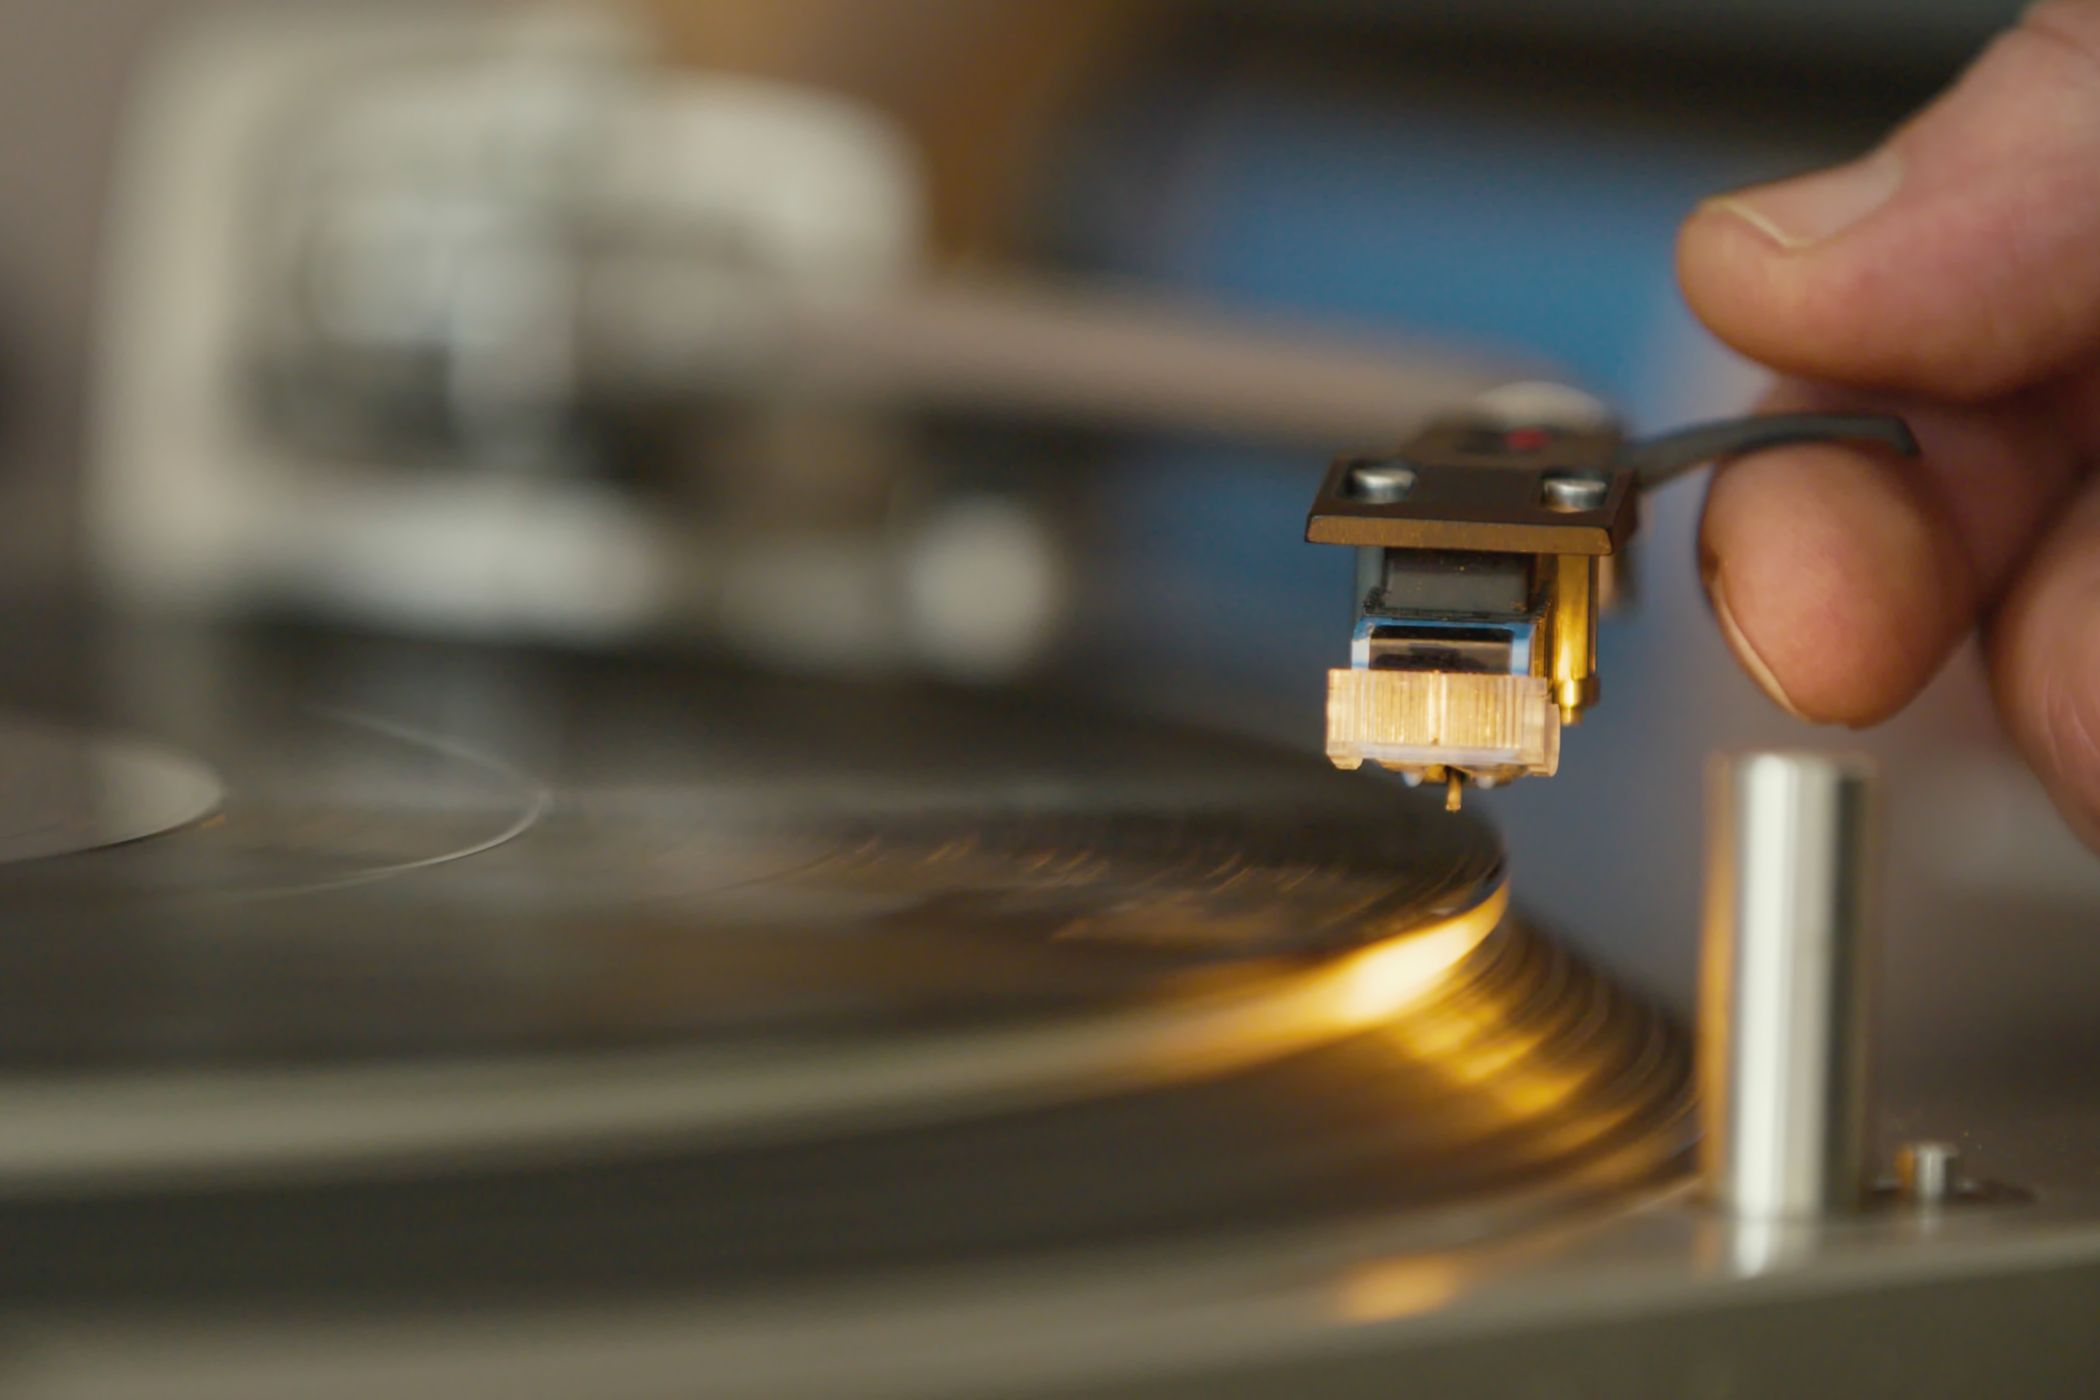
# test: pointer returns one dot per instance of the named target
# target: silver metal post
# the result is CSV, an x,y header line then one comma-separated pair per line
x,y
1783,1023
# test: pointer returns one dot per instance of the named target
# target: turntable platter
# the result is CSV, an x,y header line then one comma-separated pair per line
x,y
832,975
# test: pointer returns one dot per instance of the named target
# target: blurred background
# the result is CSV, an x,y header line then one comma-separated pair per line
x,y
999,343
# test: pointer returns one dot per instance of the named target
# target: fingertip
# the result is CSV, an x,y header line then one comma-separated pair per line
x,y
1746,653
1838,592
1717,249
1733,270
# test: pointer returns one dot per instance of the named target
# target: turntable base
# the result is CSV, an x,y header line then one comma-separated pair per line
x,y
535,1025
966,978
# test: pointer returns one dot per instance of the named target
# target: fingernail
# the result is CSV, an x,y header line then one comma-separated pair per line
x,y
1812,209
1717,589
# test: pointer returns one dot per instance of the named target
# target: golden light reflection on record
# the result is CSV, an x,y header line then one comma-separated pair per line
x,y
1386,978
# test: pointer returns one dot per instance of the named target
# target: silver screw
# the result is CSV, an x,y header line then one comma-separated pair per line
x,y
1928,1173
1382,483
1572,493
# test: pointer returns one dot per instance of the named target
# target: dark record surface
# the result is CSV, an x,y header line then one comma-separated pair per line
x,y
501,976
431,850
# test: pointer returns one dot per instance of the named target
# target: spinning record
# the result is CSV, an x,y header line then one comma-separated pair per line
x,y
727,977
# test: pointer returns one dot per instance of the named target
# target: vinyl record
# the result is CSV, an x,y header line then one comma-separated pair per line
x,y
685,976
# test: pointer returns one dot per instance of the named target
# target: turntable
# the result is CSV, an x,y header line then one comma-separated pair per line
x,y
392,1018
574,1017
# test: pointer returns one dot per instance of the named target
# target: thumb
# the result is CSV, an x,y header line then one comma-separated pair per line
x,y
1960,259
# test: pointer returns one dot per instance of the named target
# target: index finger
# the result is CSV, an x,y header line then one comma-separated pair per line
x,y
1957,260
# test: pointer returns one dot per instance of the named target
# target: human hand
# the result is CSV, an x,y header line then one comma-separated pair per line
x,y
1952,276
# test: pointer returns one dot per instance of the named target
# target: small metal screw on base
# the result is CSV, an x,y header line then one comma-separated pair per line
x,y
1928,1173
1929,1176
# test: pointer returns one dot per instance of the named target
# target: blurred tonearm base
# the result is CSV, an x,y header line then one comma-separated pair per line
x,y
393,293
